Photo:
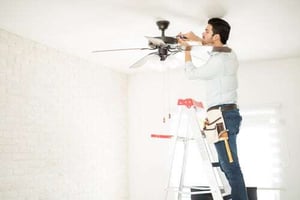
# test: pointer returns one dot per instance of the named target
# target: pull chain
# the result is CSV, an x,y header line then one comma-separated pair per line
x,y
166,91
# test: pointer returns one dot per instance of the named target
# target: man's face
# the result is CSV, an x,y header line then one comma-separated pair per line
x,y
207,35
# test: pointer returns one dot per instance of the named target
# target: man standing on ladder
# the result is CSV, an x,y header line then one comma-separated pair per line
x,y
220,74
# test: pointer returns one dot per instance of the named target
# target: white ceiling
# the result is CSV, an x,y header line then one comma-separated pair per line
x,y
265,29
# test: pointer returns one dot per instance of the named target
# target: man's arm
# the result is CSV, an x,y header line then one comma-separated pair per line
x,y
207,71
187,52
183,40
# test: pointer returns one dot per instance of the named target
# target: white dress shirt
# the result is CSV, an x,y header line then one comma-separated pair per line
x,y
220,73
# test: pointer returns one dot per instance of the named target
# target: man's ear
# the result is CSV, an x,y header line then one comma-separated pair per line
x,y
216,37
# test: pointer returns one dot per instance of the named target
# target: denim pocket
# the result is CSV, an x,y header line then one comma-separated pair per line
x,y
233,121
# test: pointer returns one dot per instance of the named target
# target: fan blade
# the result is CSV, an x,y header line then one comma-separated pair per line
x,y
126,49
143,60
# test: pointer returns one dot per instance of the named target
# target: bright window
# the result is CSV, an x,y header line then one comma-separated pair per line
x,y
259,149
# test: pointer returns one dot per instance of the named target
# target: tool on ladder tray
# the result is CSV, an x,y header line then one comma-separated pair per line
x,y
214,130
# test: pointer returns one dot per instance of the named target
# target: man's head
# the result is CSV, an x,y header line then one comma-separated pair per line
x,y
217,31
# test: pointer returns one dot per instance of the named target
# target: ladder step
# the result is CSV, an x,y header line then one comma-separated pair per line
x,y
205,194
199,192
215,164
207,197
227,197
181,138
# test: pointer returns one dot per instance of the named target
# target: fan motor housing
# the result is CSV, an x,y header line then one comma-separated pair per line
x,y
163,53
162,24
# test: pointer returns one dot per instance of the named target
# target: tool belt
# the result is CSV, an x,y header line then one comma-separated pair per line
x,y
215,129
225,107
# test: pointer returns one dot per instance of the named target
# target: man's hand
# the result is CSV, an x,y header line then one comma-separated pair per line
x,y
187,48
192,37
189,39
184,39
183,42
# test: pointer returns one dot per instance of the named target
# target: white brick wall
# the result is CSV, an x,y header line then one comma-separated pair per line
x,y
63,125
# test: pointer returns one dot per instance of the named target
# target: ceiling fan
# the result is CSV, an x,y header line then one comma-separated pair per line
x,y
164,46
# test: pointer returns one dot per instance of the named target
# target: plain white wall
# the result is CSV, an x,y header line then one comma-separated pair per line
x,y
63,125
150,95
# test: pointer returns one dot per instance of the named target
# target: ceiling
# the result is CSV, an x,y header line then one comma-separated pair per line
x,y
260,29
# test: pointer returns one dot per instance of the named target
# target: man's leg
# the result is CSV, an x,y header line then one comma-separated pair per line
x,y
232,170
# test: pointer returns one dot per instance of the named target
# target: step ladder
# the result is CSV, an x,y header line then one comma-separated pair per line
x,y
218,186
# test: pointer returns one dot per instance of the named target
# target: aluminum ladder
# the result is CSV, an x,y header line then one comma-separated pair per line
x,y
218,186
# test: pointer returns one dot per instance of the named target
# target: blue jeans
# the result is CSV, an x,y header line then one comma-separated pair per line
x,y
232,170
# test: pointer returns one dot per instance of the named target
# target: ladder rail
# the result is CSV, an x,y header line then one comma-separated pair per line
x,y
184,160
214,188
213,158
173,152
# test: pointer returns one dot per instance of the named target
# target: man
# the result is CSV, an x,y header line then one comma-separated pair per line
x,y
220,74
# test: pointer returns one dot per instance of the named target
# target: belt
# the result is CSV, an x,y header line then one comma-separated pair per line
x,y
224,107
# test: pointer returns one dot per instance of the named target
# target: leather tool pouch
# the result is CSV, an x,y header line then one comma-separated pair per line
x,y
215,126
215,130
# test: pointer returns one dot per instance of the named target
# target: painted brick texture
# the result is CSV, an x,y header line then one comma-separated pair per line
x,y
63,125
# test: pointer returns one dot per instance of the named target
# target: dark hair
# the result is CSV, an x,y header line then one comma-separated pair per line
x,y
221,27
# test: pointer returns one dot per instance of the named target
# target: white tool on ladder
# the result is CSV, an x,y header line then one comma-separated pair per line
x,y
218,186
